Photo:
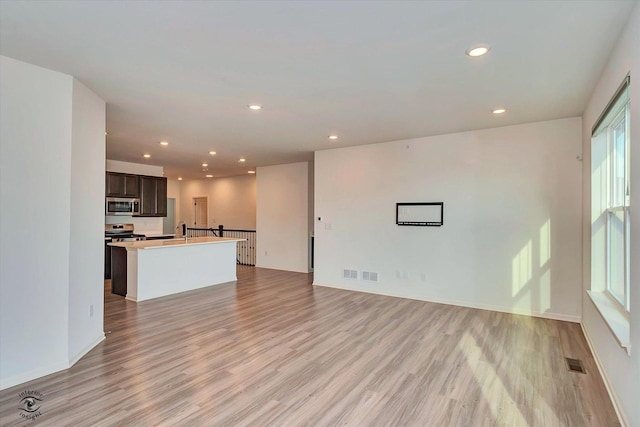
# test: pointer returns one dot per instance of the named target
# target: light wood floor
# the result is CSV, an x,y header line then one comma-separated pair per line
x,y
272,350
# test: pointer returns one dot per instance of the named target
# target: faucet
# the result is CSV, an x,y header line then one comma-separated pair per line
x,y
183,226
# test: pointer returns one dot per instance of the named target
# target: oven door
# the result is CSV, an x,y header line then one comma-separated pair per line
x,y
119,206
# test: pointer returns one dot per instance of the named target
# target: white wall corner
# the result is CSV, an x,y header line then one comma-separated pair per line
x,y
282,217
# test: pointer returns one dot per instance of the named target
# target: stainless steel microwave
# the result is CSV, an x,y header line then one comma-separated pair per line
x,y
122,206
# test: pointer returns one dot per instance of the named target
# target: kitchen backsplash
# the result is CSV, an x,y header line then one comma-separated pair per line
x,y
140,225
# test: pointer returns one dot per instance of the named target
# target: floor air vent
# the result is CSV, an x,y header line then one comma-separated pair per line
x,y
575,365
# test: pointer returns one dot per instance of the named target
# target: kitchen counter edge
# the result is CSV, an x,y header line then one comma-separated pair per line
x,y
158,244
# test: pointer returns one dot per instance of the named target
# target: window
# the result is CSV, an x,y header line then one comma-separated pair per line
x,y
610,193
618,211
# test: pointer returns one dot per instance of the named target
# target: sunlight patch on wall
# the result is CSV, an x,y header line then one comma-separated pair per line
x,y
521,269
545,242
545,291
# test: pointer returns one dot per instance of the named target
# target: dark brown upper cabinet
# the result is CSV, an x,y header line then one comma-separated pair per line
x,y
122,185
153,196
161,193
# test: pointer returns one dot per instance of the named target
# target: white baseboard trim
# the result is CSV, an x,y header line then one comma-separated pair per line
x,y
281,268
32,375
544,315
86,350
48,370
612,394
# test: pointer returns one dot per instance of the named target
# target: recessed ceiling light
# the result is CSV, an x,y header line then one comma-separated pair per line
x,y
204,165
164,143
213,153
477,51
499,111
242,160
255,107
146,156
179,178
209,176
333,136
251,172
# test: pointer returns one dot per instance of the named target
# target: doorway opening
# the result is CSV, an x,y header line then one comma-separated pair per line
x,y
200,212
169,222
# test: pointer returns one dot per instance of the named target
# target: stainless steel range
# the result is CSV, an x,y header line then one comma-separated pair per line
x,y
121,233
117,233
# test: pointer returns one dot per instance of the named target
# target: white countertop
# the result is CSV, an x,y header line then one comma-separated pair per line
x,y
158,244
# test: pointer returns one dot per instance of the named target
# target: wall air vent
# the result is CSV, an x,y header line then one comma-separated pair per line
x,y
370,276
575,365
350,274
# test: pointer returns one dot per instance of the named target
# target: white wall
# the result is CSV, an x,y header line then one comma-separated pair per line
x,y
34,181
173,192
142,225
41,151
621,371
282,217
86,260
231,201
188,190
134,168
511,236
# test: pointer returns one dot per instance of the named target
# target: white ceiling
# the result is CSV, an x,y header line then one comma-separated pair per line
x,y
368,71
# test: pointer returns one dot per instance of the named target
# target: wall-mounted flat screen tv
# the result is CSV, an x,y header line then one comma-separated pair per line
x,y
424,214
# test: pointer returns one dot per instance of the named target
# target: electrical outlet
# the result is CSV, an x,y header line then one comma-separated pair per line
x,y
328,226
91,310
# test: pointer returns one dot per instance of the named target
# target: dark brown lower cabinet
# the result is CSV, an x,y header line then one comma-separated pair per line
x,y
118,271
107,259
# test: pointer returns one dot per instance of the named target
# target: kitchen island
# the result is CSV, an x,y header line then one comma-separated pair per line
x,y
156,268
